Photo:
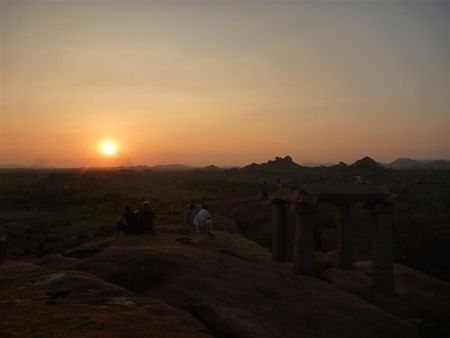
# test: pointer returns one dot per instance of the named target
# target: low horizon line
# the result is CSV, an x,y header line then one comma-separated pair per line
x,y
225,166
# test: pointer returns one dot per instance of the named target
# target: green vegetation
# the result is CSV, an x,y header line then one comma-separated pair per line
x,y
69,202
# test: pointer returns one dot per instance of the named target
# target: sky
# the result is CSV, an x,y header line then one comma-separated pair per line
x,y
224,82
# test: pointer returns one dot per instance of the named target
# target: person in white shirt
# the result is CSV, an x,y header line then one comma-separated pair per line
x,y
202,219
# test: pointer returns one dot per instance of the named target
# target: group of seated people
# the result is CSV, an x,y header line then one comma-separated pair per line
x,y
140,222
135,222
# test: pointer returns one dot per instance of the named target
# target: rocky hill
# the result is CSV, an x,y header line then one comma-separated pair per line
x,y
404,163
366,163
279,164
407,163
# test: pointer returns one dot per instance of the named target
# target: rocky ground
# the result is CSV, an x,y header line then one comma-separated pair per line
x,y
179,283
183,284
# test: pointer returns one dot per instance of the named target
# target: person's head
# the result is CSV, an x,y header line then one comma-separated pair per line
x,y
127,208
204,206
146,205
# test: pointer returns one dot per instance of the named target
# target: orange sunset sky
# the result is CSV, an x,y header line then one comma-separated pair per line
x,y
224,82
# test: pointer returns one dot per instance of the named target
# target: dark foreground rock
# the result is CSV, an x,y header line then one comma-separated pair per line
x,y
38,302
416,295
184,284
233,287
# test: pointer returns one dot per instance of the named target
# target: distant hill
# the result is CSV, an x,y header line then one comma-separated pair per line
x,y
211,168
171,167
278,164
438,164
407,163
404,163
367,163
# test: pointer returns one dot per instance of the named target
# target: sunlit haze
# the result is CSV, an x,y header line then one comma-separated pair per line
x,y
223,82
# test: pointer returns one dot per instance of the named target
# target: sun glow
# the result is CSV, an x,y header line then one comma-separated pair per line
x,y
108,148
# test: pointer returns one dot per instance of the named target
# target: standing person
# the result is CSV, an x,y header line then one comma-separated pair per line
x,y
145,218
264,191
2,244
202,219
190,214
127,222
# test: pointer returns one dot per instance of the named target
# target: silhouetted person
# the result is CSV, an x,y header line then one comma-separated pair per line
x,y
145,218
264,191
202,220
190,214
128,222
2,244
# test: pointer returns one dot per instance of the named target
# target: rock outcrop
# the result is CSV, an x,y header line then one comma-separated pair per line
x,y
187,284
40,302
233,287
415,293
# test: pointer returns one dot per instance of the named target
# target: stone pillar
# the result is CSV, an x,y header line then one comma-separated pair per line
x,y
279,230
303,252
382,246
345,241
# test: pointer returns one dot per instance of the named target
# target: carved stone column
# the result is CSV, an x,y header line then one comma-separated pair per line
x,y
279,230
303,252
382,246
345,241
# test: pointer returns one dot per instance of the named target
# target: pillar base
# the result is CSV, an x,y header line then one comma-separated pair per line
x,y
303,254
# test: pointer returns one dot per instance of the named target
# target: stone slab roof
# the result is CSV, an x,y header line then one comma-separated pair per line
x,y
334,191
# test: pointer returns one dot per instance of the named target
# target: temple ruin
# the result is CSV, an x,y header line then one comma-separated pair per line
x,y
303,201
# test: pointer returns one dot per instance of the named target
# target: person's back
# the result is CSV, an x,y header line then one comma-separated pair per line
x,y
145,218
127,222
190,215
202,219
131,219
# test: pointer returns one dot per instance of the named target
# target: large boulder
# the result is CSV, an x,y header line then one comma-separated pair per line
x,y
416,295
224,206
224,223
38,302
236,290
252,215
421,239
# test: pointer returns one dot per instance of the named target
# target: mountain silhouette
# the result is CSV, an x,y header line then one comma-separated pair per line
x,y
278,164
367,163
407,163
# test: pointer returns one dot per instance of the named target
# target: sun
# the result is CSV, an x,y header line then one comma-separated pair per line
x,y
108,148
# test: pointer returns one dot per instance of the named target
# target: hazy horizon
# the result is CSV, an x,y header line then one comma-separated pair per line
x,y
42,165
223,82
